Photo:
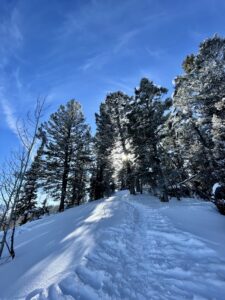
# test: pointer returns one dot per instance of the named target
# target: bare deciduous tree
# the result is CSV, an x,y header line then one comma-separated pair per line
x,y
13,173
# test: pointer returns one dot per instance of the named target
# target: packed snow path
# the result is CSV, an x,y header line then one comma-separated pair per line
x,y
131,249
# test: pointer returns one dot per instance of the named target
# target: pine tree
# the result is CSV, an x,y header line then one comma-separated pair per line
x,y
80,169
218,132
102,169
174,142
118,105
146,118
65,132
198,93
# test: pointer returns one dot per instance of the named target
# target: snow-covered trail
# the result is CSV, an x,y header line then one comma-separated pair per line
x,y
130,250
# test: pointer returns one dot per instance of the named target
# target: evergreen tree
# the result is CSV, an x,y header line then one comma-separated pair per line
x,y
102,169
118,105
218,132
146,118
66,133
198,94
175,153
80,169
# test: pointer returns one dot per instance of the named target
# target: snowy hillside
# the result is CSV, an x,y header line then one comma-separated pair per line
x,y
126,247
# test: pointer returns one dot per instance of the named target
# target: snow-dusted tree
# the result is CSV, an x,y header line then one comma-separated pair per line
x,y
218,132
146,119
179,139
198,93
65,132
118,105
122,176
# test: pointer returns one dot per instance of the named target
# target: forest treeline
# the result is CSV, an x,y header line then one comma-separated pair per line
x,y
174,146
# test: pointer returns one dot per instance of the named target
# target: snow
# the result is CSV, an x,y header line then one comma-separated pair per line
x,y
124,247
215,186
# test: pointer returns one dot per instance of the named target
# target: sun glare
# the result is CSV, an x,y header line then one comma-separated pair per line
x,y
125,157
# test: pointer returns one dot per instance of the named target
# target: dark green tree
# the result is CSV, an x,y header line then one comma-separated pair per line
x,y
146,119
102,168
66,132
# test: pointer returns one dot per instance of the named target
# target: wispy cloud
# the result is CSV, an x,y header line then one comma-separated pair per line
x,y
125,39
155,53
11,40
14,28
97,61
9,115
16,75
10,33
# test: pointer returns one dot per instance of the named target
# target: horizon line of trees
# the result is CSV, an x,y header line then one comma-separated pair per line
x,y
174,146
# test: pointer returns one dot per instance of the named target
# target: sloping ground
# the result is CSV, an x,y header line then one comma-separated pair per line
x,y
120,248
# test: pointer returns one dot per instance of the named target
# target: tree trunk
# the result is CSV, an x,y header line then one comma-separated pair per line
x,y
25,219
130,179
12,252
64,187
162,183
65,172
138,185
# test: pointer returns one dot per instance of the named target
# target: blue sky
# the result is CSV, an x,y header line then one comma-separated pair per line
x,y
83,49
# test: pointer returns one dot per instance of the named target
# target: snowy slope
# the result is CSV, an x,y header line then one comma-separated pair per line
x,y
121,248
